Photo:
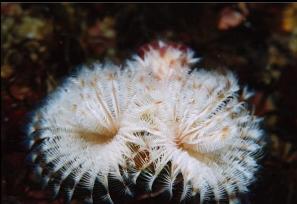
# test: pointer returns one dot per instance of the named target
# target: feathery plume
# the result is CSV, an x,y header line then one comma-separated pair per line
x,y
154,121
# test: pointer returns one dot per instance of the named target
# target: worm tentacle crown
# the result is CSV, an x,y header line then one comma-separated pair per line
x,y
154,122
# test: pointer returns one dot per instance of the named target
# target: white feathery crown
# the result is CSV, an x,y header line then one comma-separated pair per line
x,y
154,121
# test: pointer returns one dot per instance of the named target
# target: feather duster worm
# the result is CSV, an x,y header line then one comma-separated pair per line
x,y
154,121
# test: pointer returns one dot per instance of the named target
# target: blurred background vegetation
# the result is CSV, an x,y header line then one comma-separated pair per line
x,y
42,43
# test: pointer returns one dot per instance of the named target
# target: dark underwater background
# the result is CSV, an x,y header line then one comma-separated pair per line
x,y
42,43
